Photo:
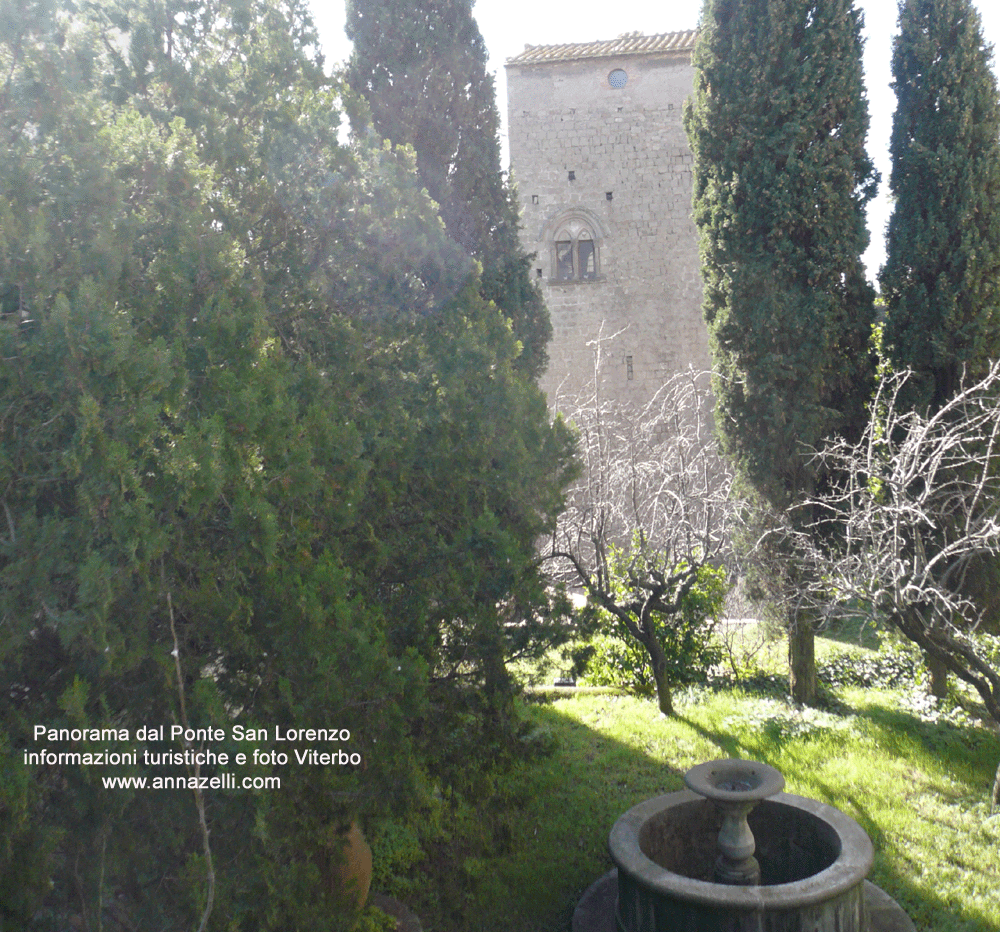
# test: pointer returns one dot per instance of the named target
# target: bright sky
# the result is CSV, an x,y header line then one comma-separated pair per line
x,y
507,25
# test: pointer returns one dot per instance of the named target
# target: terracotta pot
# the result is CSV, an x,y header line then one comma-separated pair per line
x,y
353,874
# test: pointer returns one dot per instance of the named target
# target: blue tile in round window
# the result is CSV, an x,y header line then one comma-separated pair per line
x,y
617,78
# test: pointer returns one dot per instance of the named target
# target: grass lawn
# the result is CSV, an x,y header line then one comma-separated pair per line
x,y
918,786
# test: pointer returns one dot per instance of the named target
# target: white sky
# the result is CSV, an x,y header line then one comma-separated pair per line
x,y
507,25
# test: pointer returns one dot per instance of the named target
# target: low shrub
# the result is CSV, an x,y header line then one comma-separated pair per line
x,y
617,659
894,664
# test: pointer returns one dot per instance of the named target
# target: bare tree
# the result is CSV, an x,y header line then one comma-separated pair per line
x,y
917,504
651,510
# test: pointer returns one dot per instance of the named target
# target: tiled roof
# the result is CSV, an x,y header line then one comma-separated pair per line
x,y
630,43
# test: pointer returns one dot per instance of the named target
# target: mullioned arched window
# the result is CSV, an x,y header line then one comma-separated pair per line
x,y
574,240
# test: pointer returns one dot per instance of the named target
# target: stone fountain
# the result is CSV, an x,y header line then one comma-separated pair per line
x,y
733,853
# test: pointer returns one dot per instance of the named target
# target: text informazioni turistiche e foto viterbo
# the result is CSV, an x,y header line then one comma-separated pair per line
x,y
262,747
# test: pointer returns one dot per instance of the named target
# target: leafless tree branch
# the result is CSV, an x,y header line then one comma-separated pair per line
x,y
917,502
652,507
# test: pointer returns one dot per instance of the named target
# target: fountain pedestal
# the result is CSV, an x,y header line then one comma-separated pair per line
x,y
735,786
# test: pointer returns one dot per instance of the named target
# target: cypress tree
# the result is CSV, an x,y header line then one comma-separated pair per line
x,y
941,280
421,66
777,125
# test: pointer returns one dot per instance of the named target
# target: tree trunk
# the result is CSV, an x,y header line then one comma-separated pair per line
x,y
659,663
802,660
939,675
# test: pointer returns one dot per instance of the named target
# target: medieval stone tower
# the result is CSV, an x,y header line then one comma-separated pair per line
x,y
603,169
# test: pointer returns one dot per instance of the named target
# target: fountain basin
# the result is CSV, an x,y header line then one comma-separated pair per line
x,y
813,862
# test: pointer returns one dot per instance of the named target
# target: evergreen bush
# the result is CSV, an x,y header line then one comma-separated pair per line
x,y
267,459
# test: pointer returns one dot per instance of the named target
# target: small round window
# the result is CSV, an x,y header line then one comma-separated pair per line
x,y
617,78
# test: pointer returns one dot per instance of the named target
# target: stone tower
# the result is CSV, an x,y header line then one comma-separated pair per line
x,y
603,169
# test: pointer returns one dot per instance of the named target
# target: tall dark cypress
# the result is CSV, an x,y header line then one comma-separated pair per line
x,y
777,125
421,65
941,280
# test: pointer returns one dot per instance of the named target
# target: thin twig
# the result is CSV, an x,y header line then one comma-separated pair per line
x,y
10,522
199,797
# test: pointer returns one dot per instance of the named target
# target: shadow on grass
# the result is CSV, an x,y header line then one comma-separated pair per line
x,y
926,904
728,745
569,800
971,751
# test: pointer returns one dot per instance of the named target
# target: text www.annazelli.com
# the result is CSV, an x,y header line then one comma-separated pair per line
x,y
224,781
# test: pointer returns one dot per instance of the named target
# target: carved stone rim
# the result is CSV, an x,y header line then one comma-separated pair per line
x,y
848,870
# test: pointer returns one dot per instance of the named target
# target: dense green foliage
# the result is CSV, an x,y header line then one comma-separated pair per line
x,y
685,639
421,66
941,280
266,458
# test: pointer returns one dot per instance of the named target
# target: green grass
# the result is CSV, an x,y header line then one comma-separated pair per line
x,y
918,785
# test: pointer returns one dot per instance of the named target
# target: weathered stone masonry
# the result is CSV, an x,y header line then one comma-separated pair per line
x,y
603,169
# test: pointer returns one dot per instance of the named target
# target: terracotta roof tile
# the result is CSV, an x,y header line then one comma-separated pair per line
x,y
630,43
